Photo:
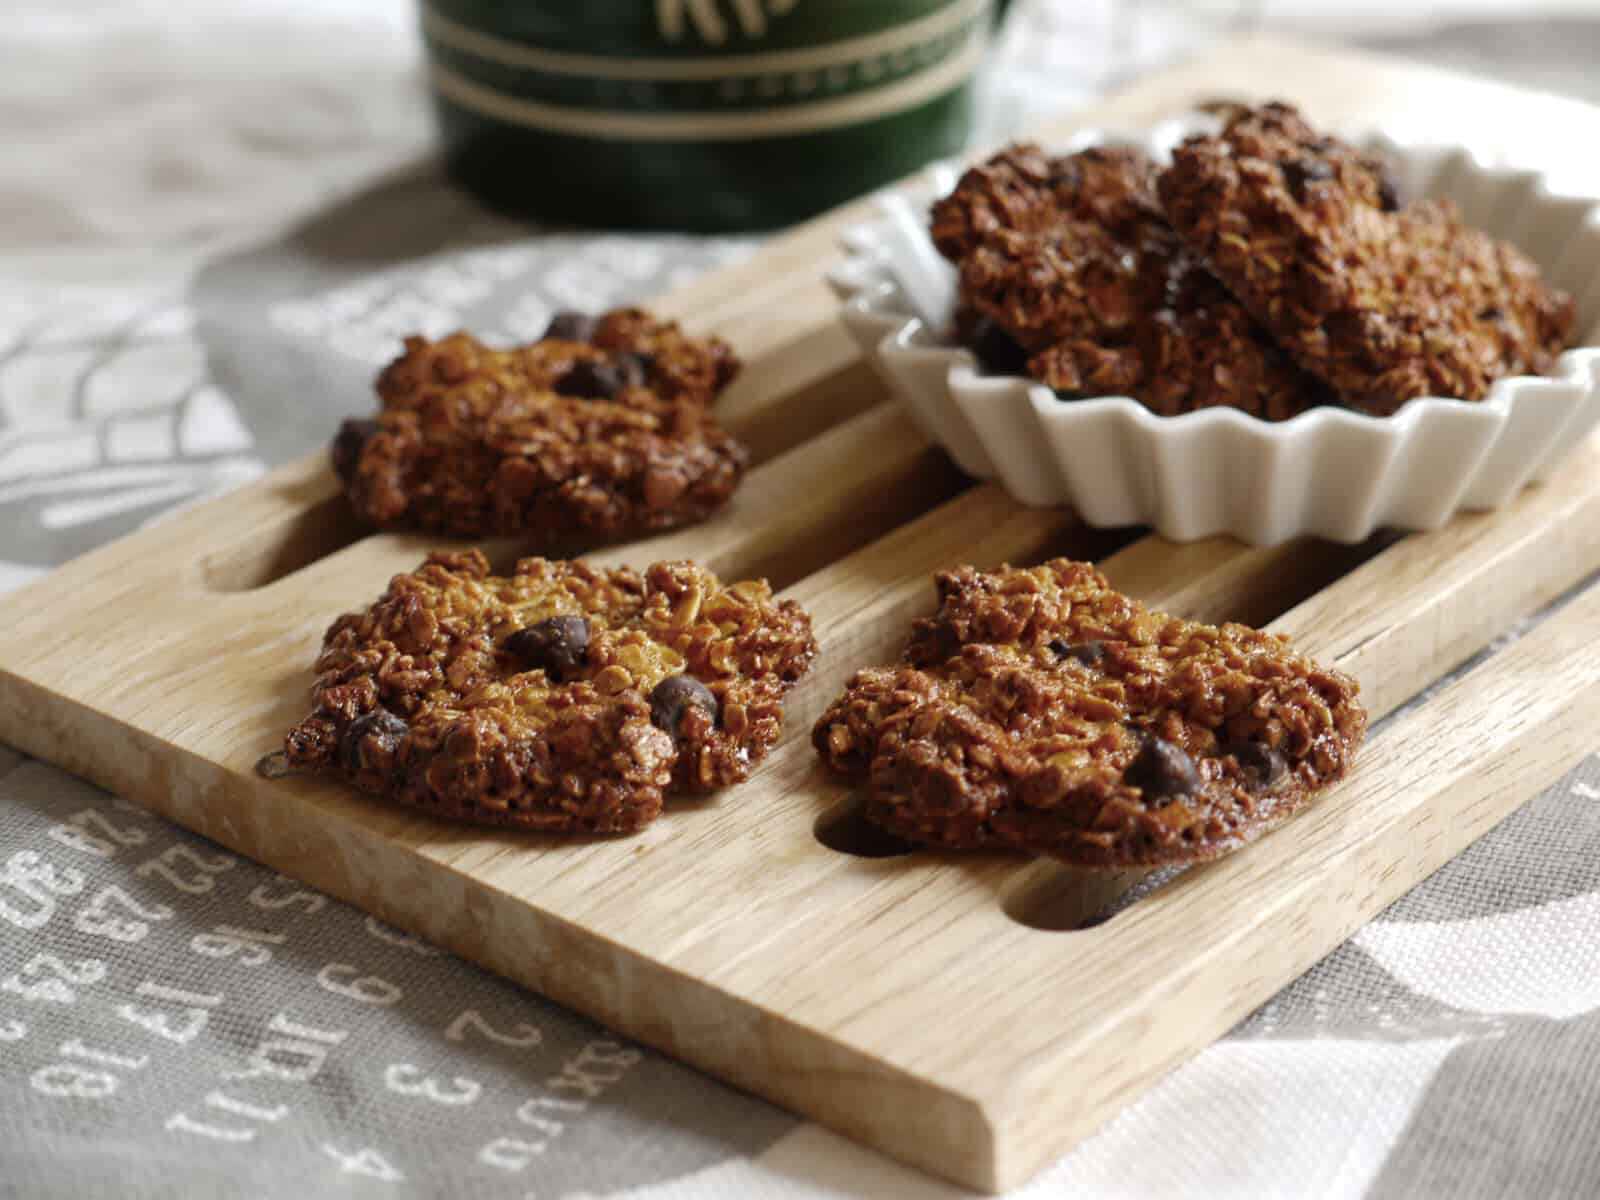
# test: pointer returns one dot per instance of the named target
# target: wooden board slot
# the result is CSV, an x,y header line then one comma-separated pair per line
x,y
317,522
844,829
820,392
1066,901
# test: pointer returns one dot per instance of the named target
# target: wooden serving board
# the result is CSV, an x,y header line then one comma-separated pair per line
x,y
967,1014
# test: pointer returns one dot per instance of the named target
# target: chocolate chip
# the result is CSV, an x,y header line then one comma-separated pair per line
x,y
1066,176
380,724
1162,769
674,696
1388,190
557,646
591,380
1492,313
1263,764
1088,653
348,444
1300,171
569,326
996,351
634,368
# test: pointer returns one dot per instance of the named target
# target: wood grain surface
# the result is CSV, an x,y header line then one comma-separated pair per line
x,y
966,1014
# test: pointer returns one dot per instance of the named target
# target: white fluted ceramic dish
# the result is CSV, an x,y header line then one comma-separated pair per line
x,y
1329,472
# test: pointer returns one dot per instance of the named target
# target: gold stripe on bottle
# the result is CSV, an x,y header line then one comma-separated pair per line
x,y
478,44
748,125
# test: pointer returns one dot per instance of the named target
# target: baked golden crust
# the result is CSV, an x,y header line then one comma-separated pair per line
x,y
559,697
1072,258
1383,302
1041,710
607,435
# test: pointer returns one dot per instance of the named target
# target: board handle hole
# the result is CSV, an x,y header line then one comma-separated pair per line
x,y
279,547
1055,898
844,828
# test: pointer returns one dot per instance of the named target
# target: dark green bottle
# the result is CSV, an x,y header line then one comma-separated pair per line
x,y
704,115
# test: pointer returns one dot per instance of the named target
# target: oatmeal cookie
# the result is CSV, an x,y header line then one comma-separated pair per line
x,y
602,427
1073,261
1385,302
1041,710
1023,190
560,697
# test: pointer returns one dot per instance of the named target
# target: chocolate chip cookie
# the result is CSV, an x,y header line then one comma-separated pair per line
x,y
1041,710
1023,190
1385,302
560,697
602,428
1073,262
